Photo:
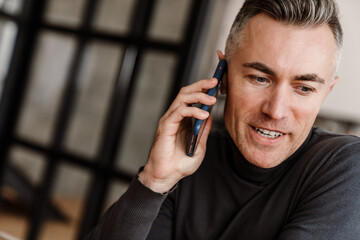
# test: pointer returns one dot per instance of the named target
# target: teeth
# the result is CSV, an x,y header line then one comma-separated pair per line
x,y
267,133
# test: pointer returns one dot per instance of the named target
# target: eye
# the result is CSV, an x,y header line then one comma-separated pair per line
x,y
259,79
305,90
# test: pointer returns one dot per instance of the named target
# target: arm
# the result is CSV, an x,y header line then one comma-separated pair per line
x,y
331,205
163,226
131,217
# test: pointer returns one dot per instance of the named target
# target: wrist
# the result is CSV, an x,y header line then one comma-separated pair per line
x,y
156,184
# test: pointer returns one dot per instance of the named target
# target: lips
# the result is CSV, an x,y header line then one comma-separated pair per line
x,y
268,133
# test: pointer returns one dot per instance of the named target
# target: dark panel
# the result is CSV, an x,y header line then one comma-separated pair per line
x,y
115,118
63,116
148,102
194,30
16,81
136,43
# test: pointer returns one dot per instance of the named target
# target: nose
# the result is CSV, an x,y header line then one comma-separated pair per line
x,y
277,103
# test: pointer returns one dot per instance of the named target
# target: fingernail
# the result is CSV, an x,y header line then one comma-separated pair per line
x,y
211,98
205,113
213,80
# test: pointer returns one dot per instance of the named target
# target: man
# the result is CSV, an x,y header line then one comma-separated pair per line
x,y
271,174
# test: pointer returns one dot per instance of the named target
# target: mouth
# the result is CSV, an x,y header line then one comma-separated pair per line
x,y
268,133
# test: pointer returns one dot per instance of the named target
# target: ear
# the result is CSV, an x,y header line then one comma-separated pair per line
x,y
332,84
223,87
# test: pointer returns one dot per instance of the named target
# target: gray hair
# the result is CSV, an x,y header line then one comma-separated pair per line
x,y
302,13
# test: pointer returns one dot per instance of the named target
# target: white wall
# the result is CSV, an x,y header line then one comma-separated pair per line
x,y
344,101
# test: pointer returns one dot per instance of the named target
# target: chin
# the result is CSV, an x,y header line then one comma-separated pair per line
x,y
264,160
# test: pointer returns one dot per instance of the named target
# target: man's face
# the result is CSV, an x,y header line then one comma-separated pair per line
x,y
277,81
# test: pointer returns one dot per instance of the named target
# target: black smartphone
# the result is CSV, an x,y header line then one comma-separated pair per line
x,y
199,125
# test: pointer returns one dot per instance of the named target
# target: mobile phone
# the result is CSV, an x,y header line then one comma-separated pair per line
x,y
199,125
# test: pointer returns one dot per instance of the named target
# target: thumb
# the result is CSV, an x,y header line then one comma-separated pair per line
x,y
220,55
205,134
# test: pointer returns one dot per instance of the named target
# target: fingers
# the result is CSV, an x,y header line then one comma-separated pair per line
x,y
170,124
194,93
220,55
181,107
192,98
183,112
199,86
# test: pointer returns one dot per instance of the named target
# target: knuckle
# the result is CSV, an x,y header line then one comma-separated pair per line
x,y
158,132
161,128
183,90
161,121
181,110
179,98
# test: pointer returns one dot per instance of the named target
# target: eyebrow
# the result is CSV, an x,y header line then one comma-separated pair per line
x,y
267,70
261,67
310,77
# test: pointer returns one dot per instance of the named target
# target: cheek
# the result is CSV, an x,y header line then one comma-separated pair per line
x,y
240,104
306,114
245,98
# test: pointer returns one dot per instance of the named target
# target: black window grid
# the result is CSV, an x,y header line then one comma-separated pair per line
x,y
30,23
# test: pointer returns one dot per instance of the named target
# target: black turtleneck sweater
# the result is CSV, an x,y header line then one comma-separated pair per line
x,y
314,194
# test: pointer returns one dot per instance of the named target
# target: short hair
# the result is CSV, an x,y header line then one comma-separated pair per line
x,y
305,13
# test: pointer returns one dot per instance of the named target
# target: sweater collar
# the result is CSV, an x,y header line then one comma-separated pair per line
x,y
257,175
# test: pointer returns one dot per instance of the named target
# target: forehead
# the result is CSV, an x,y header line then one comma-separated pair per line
x,y
287,47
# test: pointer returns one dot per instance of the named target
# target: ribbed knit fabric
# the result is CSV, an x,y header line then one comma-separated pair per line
x,y
315,194
131,216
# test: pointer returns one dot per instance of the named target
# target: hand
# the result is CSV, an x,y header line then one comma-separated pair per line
x,y
168,162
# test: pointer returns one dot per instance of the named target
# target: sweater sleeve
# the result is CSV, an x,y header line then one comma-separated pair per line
x,y
163,226
132,216
330,206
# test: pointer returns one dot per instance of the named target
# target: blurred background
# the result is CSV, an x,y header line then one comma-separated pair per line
x,y
82,86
